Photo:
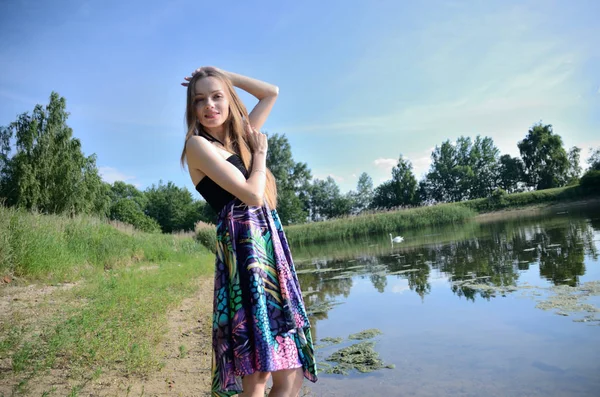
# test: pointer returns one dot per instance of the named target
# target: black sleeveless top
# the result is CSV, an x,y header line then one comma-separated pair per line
x,y
215,195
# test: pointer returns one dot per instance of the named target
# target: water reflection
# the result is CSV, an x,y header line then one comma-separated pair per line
x,y
493,254
420,294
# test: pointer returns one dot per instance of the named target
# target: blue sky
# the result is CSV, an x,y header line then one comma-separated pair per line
x,y
361,82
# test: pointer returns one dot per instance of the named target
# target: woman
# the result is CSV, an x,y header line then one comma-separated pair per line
x,y
260,326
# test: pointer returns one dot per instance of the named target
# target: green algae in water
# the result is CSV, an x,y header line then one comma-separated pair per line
x,y
366,334
403,271
569,299
331,340
340,277
564,300
321,307
323,365
360,356
327,342
315,270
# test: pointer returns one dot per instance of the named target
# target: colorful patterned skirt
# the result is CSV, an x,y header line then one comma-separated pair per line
x,y
259,317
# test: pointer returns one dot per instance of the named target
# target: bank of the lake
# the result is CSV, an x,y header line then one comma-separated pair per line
x,y
82,298
405,219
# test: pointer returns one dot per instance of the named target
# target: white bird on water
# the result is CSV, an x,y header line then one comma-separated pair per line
x,y
397,239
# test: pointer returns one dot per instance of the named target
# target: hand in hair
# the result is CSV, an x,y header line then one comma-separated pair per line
x,y
201,69
257,140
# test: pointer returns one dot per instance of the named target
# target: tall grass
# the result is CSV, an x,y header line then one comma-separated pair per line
x,y
60,248
498,200
377,223
206,234
397,220
116,317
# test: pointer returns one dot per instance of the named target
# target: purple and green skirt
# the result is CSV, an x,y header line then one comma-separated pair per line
x,y
259,317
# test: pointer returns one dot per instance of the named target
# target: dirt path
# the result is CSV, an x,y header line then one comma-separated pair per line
x,y
185,374
182,375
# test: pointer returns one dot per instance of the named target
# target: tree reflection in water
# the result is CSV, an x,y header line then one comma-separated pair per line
x,y
492,254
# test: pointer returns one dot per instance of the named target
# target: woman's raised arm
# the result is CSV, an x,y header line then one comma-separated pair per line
x,y
266,94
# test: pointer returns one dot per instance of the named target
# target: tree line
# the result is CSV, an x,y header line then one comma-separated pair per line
x,y
43,169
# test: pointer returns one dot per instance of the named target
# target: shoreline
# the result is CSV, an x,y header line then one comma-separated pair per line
x,y
533,210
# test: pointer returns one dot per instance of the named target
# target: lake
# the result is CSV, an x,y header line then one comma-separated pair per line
x,y
503,308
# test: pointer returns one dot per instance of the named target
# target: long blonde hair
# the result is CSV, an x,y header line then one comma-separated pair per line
x,y
235,136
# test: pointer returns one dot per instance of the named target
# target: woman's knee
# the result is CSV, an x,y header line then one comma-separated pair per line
x,y
289,380
257,380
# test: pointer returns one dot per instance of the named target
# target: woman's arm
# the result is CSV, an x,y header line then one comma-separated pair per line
x,y
259,89
202,155
266,94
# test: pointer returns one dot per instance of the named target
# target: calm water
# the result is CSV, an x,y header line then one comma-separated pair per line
x,y
446,338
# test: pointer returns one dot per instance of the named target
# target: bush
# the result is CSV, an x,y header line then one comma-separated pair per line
x,y
62,248
128,211
590,181
206,234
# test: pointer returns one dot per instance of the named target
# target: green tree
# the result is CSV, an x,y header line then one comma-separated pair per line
x,y
127,210
483,161
362,198
442,180
546,161
48,171
594,159
172,207
293,181
385,196
405,183
462,170
511,172
574,171
401,190
121,190
424,192
326,200
128,205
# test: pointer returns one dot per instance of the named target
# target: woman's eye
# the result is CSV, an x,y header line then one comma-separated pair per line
x,y
218,96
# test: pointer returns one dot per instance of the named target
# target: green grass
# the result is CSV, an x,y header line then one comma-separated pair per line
x,y
58,248
500,201
390,221
116,321
116,316
377,223
182,351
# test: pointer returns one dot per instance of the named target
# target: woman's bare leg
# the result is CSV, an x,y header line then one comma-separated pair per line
x,y
254,385
287,382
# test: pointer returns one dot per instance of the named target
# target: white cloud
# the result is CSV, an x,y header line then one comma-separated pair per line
x,y
337,178
110,175
385,164
493,74
400,286
420,166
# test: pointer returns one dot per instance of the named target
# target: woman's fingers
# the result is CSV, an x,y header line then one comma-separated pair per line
x,y
186,83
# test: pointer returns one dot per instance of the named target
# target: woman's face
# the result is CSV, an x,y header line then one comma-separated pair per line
x,y
211,103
